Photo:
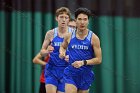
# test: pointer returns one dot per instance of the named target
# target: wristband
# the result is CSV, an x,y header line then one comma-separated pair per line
x,y
85,62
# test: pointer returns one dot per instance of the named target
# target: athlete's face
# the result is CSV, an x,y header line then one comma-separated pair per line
x,y
82,22
62,20
72,24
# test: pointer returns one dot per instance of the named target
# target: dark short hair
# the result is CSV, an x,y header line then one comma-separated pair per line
x,y
83,11
72,20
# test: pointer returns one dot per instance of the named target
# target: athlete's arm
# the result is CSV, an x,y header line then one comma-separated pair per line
x,y
37,60
97,50
48,38
64,45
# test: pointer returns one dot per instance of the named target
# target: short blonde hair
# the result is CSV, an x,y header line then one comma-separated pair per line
x,y
62,10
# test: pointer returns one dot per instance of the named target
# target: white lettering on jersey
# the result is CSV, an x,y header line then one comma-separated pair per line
x,y
80,47
57,43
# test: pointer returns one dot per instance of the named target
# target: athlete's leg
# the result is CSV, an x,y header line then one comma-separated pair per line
x,y
70,88
50,88
60,92
83,91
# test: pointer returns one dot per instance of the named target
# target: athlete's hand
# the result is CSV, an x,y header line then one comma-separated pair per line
x,y
78,64
67,58
45,52
62,55
50,49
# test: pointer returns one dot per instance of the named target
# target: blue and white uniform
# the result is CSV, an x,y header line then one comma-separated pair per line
x,y
55,67
79,50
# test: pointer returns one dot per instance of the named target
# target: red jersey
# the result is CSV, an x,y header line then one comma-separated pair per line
x,y
42,77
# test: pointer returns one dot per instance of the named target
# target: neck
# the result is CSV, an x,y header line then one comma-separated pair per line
x,y
81,34
62,30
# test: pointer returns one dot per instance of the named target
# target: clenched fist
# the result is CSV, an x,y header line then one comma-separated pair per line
x,y
78,64
45,52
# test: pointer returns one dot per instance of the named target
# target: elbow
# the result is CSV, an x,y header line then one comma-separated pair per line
x,y
34,60
99,60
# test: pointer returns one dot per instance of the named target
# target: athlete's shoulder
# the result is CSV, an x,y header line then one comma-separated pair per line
x,y
50,32
95,39
94,36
